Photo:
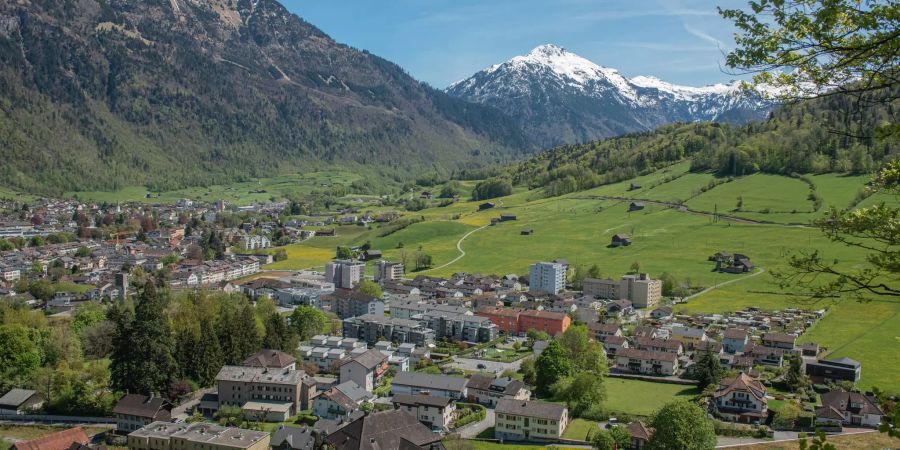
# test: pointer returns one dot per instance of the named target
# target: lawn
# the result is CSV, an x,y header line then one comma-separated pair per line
x,y
580,428
759,194
641,398
239,193
871,440
682,188
485,445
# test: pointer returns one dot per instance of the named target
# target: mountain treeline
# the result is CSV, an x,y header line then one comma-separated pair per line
x,y
833,133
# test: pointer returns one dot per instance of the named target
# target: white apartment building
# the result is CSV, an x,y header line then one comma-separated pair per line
x,y
547,277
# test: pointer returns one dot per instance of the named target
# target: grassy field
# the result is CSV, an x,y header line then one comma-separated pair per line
x,y
578,227
240,193
866,441
580,429
641,398
485,445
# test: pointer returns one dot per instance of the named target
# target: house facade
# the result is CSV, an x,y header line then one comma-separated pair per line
x,y
741,399
519,420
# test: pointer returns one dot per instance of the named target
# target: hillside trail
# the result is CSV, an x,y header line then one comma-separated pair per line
x,y
718,285
462,252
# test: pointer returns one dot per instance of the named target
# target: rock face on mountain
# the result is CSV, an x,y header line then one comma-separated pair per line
x,y
559,97
96,94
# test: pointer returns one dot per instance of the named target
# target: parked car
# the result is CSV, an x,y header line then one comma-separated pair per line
x,y
481,366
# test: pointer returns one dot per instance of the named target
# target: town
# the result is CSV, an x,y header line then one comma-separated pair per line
x,y
361,351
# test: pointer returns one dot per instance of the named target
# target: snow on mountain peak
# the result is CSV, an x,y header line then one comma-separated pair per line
x,y
566,64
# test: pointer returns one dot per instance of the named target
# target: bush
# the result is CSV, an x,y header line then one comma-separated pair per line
x,y
467,413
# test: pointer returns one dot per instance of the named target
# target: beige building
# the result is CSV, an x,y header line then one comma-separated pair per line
x,y
196,436
261,390
642,291
519,420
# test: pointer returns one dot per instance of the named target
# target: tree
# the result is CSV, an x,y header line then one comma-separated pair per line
x,y
20,355
491,188
369,287
308,322
585,354
635,267
787,415
581,392
207,355
681,425
278,335
142,360
83,252
708,370
794,377
614,438
527,369
552,365
810,47
537,335
343,253
230,416
97,340
872,230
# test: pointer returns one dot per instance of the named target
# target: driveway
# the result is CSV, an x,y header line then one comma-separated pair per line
x,y
489,366
471,430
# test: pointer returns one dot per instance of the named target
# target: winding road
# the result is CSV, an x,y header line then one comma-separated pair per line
x,y
459,248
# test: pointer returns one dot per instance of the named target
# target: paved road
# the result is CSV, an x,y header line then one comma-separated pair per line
x,y
471,430
489,366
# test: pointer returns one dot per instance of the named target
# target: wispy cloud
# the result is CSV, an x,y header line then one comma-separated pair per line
x,y
706,37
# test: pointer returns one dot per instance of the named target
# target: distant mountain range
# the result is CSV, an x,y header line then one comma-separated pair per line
x,y
558,97
99,94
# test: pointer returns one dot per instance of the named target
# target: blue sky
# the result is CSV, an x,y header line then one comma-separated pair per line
x,y
442,41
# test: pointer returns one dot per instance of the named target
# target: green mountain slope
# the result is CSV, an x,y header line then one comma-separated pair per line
x,y
98,94
825,135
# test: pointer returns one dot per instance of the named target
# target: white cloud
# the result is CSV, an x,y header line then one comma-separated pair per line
x,y
706,37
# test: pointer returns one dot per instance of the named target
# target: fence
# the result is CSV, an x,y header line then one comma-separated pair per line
x,y
49,419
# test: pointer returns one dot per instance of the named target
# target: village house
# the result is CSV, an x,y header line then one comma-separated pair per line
x,y
779,340
435,413
691,338
735,339
522,420
277,393
488,391
640,434
340,401
135,411
848,408
365,369
387,430
414,383
612,344
673,346
741,399
646,362
834,370
20,401
620,240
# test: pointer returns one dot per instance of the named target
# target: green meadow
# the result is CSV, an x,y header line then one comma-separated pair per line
x,y
578,227
239,193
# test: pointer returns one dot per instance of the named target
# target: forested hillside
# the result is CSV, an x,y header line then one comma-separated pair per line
x,y
99,94
837,133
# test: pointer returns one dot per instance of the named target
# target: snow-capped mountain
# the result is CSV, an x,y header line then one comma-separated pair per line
x,y
559,97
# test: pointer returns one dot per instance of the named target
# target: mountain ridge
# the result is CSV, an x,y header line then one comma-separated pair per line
x,y
559,98
174,93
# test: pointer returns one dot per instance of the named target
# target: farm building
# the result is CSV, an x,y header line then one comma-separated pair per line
x,y
527,232
485,206
635,206
620,240
507,217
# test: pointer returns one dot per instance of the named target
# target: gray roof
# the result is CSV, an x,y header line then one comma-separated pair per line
x,y
383,431
540,410
260,375
428,381
16,397
370,359
296,438
353,391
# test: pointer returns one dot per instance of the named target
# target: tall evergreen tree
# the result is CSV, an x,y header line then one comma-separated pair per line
x,y
246,329
143,360
278,335
207,355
